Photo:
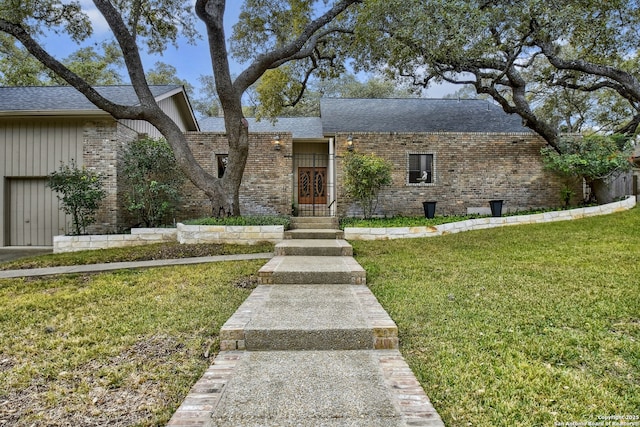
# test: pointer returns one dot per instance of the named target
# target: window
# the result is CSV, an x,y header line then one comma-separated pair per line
x,y
222,160
420,168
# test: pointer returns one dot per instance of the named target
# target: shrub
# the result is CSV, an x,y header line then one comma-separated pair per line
x,y
243,220
594,158
152,181
364,176
80,192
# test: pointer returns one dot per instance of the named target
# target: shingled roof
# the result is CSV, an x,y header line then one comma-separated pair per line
x,y
416,115
48,99
389,115
300,127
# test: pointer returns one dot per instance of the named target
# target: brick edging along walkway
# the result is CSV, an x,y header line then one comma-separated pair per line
x,y
409,397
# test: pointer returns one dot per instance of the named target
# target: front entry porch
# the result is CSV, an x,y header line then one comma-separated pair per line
x,y
314,184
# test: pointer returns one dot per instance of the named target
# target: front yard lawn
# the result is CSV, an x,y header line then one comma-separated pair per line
x,y
117,349
519,326
166,250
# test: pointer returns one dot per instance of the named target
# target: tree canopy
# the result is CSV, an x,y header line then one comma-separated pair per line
x,y
560,65
269,35
536,58
98,64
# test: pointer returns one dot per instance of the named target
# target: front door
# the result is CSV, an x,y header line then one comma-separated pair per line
x,y
312,186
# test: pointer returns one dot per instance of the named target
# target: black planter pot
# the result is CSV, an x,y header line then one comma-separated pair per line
x,y
496,207
429,209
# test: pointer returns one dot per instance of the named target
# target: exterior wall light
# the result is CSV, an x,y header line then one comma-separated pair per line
x,y
276,143
350,142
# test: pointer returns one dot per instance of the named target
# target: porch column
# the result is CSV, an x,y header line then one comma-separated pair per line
x,y
331,172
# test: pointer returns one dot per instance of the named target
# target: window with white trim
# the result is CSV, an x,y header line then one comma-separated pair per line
x,y
221,161
420,168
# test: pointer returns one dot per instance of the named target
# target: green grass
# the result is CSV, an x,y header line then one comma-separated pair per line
x,y
519,326
135,253
243,220
421,221
121,348
516,326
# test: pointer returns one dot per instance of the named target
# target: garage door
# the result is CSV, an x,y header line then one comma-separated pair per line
x,y
32,213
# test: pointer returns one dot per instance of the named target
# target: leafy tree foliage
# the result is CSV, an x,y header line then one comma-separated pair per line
x,y
17,66
152,181
595,158
270,34
80,194
519,53
207,103
364,177
348,86
166,74
98,65
279,102
260,27
94,67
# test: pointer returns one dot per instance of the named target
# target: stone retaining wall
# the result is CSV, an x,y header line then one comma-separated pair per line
x,y
188,234
240,235
355,233
138,236
247,235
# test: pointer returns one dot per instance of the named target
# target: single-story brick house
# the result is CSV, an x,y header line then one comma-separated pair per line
x,y
40,127
459,153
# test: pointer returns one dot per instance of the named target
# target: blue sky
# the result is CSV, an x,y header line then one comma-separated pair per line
x,y
191,61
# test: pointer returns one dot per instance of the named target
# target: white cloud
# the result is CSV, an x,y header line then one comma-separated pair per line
x,y
98,22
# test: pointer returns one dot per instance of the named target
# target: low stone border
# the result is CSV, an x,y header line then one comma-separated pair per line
x,y
138,236
247,235
240,235
355,233
187,234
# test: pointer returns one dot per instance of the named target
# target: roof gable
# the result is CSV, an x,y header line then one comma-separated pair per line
x,y
416,115
67,98
68,101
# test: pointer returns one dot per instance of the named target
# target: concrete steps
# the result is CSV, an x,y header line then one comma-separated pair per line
x,y
311,270
314,233
310,317
307,222
354,388
314,228
311,346
314,247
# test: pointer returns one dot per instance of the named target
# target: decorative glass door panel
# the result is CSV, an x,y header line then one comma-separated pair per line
x,y
312,186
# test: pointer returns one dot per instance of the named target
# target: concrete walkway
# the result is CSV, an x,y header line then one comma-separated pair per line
x,y
311,346
93,268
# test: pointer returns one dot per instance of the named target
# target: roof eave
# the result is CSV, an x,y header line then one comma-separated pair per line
x,y
53,113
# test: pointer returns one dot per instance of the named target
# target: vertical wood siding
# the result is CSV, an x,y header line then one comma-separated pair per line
x,y
33,212
170,108
30,149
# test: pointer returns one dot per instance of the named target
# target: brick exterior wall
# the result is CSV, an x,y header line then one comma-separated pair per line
x,y
103,142
469,170
266,187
